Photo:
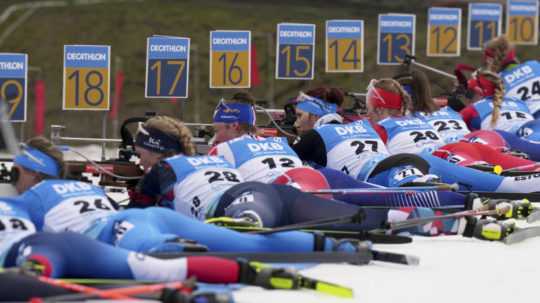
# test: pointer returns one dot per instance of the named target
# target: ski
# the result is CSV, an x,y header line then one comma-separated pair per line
x,y
521,234
390,257
284,278
534,216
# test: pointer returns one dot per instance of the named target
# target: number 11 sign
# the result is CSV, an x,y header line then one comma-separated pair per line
x,y
230,59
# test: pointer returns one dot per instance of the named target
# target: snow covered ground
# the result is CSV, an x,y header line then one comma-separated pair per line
x,y
452,269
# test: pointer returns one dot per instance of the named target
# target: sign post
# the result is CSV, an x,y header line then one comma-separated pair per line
x,y
484,23
396,38
295,51
13,84
344,46
522,21
167,67
230,59
87,77
444,32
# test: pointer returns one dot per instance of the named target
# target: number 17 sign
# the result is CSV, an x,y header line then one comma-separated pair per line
x,y
167,67
230,59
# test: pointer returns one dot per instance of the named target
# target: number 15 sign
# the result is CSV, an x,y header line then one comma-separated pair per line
x,y
86,77
295,51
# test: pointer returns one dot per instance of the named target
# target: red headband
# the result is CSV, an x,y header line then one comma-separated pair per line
x,y
509,58
481,86
389,100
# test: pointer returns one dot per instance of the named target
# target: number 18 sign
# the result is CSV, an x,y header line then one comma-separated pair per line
x,y
230,59
295,51
167,67
86,77
13,82
396,38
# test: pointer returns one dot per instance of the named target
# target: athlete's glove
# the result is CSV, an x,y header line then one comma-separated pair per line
x,y
516,209
488,229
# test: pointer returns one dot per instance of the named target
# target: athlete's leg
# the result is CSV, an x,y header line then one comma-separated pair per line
x,y
278,205
339,180
517,143
467,178
71,255
166,221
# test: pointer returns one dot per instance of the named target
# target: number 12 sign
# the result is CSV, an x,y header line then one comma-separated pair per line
x,y
444,32
86,77
167,67
230,59
396,38
295,51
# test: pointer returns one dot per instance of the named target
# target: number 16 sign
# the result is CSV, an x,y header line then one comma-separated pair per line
x,y
230,59
86,77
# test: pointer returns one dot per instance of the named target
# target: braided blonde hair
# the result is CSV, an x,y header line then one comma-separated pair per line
x,y
500,47
393,86
497,95
175,129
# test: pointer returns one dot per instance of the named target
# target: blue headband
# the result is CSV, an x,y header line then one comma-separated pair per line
x,y
314,105
38,161
234,112
156,140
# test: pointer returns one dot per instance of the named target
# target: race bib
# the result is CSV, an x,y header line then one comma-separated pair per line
x,y
77,213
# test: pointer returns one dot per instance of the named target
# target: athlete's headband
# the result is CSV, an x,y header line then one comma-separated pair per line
x,y
509,58
381,98
35,160
315,106
481,85
234,112
156,140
